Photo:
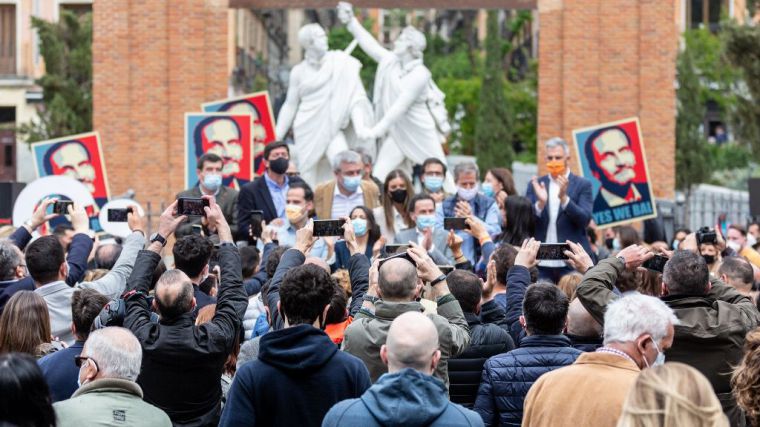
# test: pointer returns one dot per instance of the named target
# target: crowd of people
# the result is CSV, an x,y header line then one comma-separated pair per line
x,y
243,316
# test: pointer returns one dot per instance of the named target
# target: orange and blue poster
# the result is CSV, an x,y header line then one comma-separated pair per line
x,y
612,157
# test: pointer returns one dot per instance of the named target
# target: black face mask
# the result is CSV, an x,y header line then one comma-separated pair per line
x,y
608,242
279,166
398,196
709,259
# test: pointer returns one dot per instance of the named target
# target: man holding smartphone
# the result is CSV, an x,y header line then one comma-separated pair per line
x,y
210,184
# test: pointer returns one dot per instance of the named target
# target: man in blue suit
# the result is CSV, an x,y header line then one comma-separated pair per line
x,y
562,204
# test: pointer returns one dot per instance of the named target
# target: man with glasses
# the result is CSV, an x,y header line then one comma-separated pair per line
x,y
337,197
562,205
108,394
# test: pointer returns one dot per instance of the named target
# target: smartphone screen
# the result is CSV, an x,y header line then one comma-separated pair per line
x,y
404,255
328,227
455,223
118,215
553,251
256,218
656,263
197,229
61,207
446,269
191,206
395,248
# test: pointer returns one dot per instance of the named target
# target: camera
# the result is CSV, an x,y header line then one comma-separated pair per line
x,y
706,235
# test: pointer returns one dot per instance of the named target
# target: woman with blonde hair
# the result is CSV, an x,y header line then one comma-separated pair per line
x,y
745,380
392,216
568,283
672,395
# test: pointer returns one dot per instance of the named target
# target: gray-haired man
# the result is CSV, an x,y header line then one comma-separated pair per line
x,y
337,197
108,394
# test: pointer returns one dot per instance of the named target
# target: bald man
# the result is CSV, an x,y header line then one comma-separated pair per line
x,y
408,394
399,284
583,330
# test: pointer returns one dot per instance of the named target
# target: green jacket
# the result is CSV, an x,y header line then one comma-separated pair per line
x,y
367,333
108,402
712,327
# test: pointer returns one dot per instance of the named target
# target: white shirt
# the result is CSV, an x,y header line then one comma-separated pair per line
x,y
554,205
342,204
421,239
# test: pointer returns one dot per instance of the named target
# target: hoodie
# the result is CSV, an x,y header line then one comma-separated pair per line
x,y
405,398
298,376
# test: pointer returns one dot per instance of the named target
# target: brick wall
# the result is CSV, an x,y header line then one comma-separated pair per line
x,y
152,62
604,60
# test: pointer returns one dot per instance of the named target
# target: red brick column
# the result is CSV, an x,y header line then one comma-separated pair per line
x,y
152,62
604,60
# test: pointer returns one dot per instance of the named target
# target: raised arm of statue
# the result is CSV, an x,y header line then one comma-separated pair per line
x,y
415,84
289,108
366,41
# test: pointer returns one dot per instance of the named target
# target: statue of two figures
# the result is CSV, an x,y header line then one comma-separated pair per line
x,y
329,111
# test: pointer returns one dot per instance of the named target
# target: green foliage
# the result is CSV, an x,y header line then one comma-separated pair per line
x,y
66,47
692,158
742,48
339,38
716,77
493,135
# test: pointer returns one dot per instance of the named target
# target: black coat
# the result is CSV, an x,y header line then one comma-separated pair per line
x,y
465,370
182,363
508,377
255,196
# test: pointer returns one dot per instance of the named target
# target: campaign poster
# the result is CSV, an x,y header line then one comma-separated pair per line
x,y
612,157
260,108
79,157
227,135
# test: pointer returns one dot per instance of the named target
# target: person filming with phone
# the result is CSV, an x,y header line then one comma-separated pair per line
x,y
562,204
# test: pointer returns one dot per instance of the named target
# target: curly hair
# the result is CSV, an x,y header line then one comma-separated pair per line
x,y
745,380
191,254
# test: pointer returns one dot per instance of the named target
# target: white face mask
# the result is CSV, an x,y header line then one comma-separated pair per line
x,y
733,245
659,360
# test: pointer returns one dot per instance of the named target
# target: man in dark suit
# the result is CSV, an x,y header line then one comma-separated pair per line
x,y
268,193
210,184
562,204
612,162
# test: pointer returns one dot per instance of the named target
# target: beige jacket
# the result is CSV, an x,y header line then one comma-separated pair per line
x,y
325,192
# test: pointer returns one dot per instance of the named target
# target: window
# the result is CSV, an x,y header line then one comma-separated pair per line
x,y
7,39
705,13
79,9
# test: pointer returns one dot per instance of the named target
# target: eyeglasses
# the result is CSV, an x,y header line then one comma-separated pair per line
x,y
78,360
292,174
551,158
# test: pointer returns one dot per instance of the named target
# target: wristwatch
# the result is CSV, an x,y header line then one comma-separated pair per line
x,y
622,260
370,298
155,237
438,280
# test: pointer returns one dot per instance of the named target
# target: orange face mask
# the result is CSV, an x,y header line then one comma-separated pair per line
x,y
556,167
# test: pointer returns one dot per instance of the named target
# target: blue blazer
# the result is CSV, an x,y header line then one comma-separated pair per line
x,y
571,221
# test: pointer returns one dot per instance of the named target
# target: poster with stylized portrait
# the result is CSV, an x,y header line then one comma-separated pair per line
x,y
224,134
612,157
258,106
79,157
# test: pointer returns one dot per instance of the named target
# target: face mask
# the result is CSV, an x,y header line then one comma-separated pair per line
x,y
487,189
466,194
660,360
425,221
751,241
398,196
733,245
279,166
212,182
709,259
433,183
360,226
615,244
294,213
556,167
675,244
608,242
351,183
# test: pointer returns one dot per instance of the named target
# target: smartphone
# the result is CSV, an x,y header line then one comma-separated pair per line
x,y
446,269
118,215
455,223
553,251
61,207
191,206
197,229
656,263
328,227
405,255
396,248
256,218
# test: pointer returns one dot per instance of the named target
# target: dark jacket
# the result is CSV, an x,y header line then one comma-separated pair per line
x,y
405,398
182,363
227,199
298,376
712,327
508,377
79,251
518,280
60,371
486,340
585,344
342,254
574,218
255,196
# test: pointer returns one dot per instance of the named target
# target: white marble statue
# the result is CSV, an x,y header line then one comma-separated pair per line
x,y
410,117
325,101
